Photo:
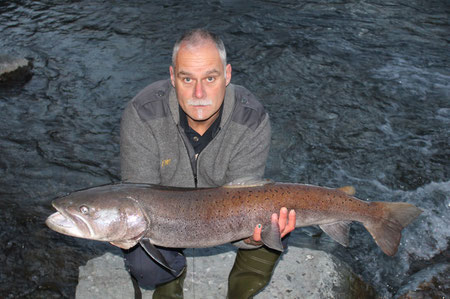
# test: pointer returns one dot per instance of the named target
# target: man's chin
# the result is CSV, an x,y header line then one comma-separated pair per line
x,y
200,115
203,114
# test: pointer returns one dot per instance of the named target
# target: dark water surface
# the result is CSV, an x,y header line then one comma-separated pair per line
x,y
358,93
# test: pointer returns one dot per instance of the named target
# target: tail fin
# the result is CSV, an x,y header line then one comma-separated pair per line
x,y
387,229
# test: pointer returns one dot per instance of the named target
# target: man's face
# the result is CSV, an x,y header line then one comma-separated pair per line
x,y
200,82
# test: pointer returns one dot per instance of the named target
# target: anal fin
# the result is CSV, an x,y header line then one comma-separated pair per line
x,y
338,231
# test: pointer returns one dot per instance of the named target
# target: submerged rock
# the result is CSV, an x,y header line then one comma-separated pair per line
x,y
431,282
14,69
301,273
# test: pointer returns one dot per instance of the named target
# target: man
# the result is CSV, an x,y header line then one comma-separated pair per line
x,y
198,130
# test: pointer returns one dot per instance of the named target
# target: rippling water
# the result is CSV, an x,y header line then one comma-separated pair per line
x,y
358,94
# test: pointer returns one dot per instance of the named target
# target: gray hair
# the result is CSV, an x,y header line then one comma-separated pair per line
x,y
197,36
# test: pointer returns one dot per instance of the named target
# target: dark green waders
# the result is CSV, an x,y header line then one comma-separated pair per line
x,y
171,289
251,272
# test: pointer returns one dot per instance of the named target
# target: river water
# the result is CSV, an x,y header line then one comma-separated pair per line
x,y
358,93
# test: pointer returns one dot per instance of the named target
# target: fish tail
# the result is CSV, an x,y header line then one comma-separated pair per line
x,y
387,229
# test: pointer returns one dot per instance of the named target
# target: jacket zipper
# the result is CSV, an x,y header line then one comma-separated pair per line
x,y
194,168
192,155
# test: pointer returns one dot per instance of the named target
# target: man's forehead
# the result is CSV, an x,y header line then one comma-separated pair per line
x,y
202,61
210,72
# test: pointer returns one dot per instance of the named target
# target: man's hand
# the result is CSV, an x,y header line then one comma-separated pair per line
x,y
286,226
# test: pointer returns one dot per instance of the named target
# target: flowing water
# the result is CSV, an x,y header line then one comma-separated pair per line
x,y
358,93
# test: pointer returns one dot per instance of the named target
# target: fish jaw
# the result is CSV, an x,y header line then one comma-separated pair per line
x,y
72,226
119,221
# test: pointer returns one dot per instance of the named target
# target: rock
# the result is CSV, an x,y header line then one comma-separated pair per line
x,y
431,282
14,69
301,273
104,277
307,273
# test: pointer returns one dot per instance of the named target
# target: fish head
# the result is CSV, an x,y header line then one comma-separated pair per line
x,y
102,213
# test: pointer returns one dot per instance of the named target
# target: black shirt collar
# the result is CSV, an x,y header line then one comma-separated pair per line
x,y
199,142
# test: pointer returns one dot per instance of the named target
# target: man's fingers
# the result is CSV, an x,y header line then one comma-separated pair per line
x,y
286,222
283,218
257,233
291,224
274,218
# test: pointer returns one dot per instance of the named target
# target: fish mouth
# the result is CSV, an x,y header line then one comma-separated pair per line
x,y
69,224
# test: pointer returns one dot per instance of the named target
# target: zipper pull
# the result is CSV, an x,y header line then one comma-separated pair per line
x,y
195,174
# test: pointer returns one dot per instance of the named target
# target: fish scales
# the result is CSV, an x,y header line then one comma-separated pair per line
x,y
208,217
194,218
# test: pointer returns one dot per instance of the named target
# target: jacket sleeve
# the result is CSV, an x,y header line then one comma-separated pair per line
x,y
249,157
139,153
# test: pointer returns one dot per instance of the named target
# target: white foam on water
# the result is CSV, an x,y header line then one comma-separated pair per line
x,y
429,235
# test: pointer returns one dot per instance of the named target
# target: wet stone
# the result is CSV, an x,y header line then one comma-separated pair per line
x,y
431,282
14,69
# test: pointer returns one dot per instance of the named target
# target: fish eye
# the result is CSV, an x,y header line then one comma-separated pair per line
x,y
84,210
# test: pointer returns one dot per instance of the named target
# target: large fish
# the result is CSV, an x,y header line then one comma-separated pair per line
x,y
126,214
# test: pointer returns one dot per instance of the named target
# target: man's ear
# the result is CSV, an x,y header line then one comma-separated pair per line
x,y
228,74
172,75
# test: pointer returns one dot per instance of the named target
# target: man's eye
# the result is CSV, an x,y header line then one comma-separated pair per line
x,y
210,79
187,80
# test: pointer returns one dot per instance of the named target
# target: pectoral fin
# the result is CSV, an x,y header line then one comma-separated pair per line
x,y
155,254
271,237
338,231
124,244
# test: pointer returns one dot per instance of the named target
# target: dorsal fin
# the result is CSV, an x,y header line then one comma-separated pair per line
x,y
349,190
248,182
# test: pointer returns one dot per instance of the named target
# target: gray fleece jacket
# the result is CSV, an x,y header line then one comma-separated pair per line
x,y
154,148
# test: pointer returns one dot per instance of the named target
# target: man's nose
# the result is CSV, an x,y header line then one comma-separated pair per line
x,y
199,93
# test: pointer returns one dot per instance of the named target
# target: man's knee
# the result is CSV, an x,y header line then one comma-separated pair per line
x,y
251,272
147,272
